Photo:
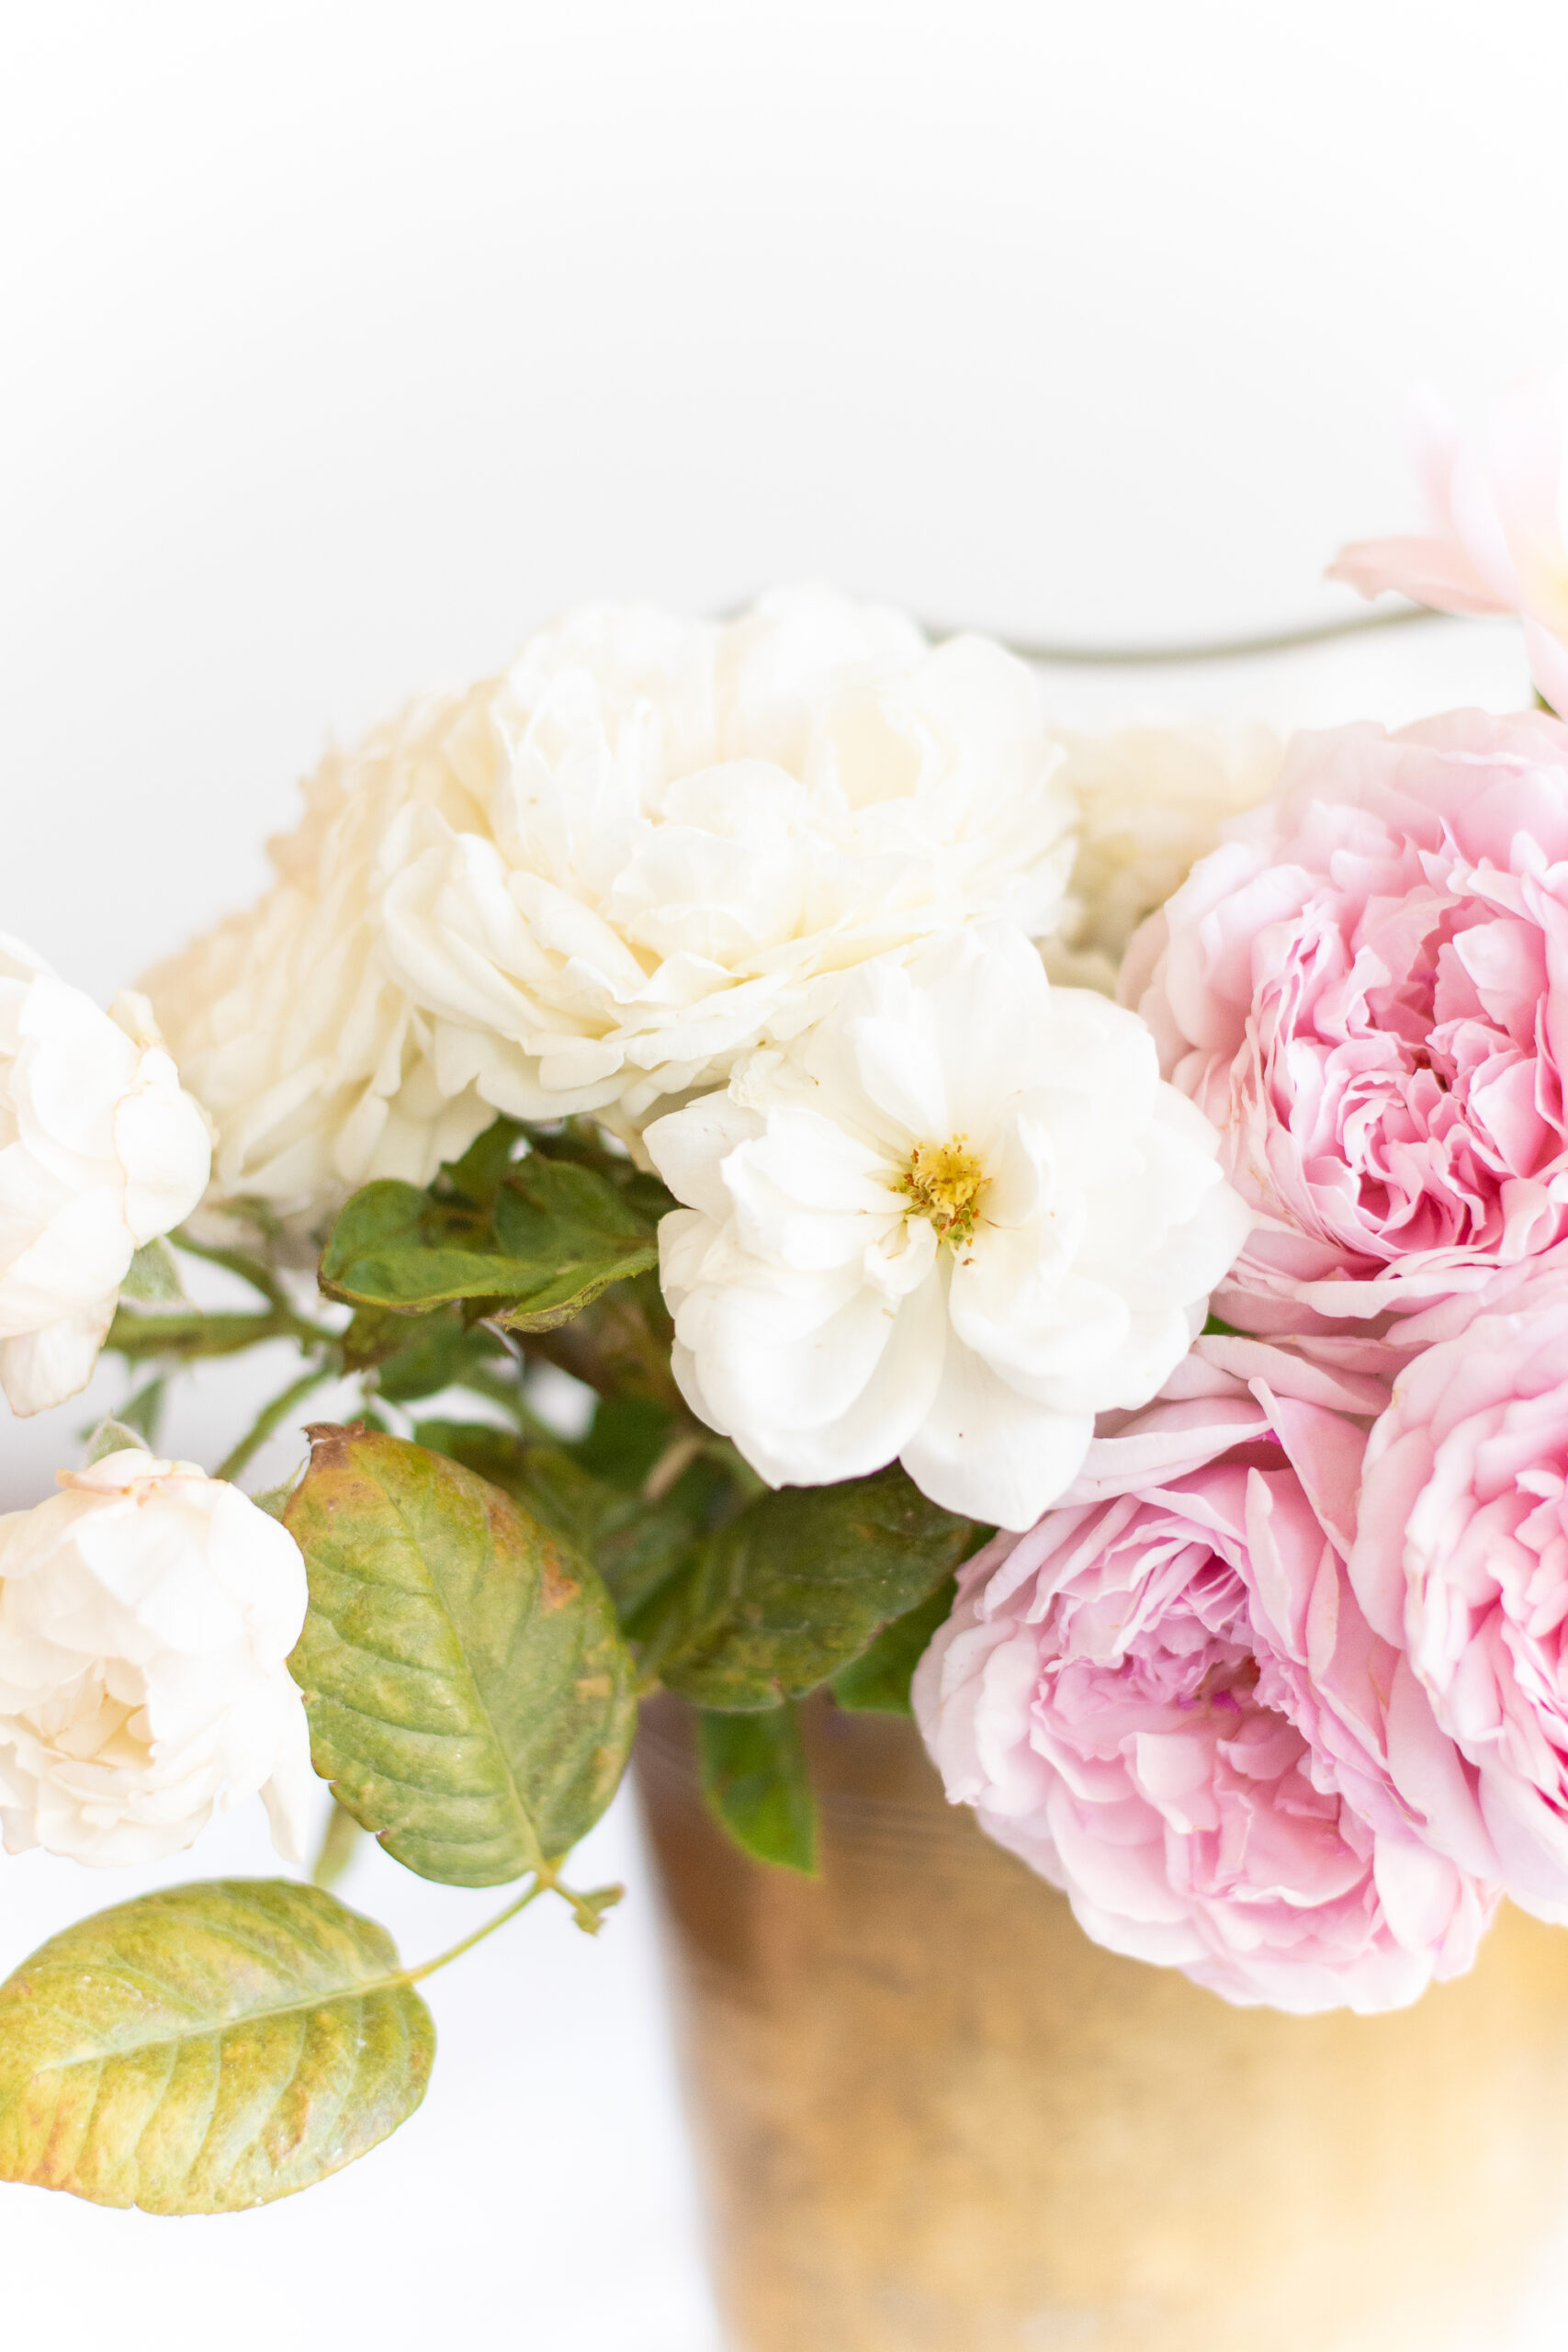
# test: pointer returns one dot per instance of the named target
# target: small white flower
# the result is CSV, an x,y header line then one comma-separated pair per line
x,y
951,1223
595,883
100,1151
146,1616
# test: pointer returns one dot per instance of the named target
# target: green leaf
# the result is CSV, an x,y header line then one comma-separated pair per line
x,y
469,1694
754,1775
374,1333
577,1228
625,1438
153,1274
206,2048
877,1682
142,1412
274,1500
795,1587
554,1237
439,1355
112,1437
478,1175
635,1545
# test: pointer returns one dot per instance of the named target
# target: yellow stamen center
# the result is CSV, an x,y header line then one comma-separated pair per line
x,y
946,1184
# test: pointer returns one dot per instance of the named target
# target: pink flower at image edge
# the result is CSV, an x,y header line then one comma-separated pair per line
x,y
1495,540
1461,1559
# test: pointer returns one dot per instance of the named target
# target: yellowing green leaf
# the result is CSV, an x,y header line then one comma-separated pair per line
x,y
206,2048
468,1693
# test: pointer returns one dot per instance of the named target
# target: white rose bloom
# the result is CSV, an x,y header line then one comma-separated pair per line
x,y
596,882
311,1061
1150,802
100,1151
146,1615
953,1222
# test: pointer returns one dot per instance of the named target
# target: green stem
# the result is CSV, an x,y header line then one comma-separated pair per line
x,y
238,1261
541,1885
268,1419
588,1910
287,1320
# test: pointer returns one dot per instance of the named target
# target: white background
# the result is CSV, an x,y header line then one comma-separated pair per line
x,y
343,341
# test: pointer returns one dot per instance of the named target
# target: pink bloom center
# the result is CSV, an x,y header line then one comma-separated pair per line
x,y
1157,1688
1399,1038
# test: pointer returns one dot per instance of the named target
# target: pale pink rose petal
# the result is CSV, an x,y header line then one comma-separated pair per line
x,y
1495,541
1366,990
1167,1698
1460,1558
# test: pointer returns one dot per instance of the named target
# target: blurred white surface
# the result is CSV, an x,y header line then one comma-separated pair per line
x,y
346,341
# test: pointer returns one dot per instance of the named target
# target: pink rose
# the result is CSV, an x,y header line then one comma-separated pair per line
x,y
1493,542
1364,989
1165,1698
1461,1559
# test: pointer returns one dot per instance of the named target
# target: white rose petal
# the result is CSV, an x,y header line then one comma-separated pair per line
x,y
596,882
146,1616
101,1151
951,1223
1150,803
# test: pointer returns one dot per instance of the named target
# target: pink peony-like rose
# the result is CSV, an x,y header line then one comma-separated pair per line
x,y
1366,988
1460,1558
1493,542
1165,1698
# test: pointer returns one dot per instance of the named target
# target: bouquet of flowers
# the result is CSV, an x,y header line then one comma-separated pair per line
x,y
1065,1235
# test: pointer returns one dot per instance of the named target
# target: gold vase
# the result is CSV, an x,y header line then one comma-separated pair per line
x,y
933,2117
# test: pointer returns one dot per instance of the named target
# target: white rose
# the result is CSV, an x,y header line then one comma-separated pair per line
x,y
1150,802
311,1059
595,883
146,1615
100,1151
953,1222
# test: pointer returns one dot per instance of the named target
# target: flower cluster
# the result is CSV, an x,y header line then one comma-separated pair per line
x,y
1156,1144
595,883
1279,1692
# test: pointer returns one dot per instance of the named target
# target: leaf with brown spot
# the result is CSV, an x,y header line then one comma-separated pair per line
x,y
206,2048
469,1694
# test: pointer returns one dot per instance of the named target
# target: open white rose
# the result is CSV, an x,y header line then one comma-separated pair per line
x,y
100,1151
596,882
951,1223
146,1615
1150,802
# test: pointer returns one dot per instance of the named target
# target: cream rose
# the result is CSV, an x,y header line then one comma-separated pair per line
x,y
146,1616
596,882
100,1151
1150,802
